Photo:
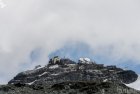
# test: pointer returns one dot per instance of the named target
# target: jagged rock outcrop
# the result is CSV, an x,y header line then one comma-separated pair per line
x,y
62,70
64,76
69,88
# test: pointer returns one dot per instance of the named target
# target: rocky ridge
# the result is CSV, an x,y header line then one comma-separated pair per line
x,y
64,76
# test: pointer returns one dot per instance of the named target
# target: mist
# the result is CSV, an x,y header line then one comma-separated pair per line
x,y
110,28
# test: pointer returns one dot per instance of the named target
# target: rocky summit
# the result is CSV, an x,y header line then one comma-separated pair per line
x,y
64,76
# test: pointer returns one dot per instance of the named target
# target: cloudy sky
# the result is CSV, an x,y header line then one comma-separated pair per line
x,y
31,31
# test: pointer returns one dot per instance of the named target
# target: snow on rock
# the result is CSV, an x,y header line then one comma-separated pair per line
x,y
85,60
31,82
136,84
105,80
43,74
55,74
53,66
71,65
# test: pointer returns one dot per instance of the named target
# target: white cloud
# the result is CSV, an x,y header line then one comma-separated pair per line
x,y
26,25
2,5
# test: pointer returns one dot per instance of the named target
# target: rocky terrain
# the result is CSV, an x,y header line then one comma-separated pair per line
x,y
64,76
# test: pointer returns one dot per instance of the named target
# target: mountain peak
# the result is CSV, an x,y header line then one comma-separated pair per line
x,y
83,70
64,70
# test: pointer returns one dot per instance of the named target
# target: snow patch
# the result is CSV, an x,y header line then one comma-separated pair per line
x,y
31,82
53,66
105,80
55,74
135,85
71,65
85,60
43,74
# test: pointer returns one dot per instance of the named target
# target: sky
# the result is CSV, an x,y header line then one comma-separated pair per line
x,y
31,31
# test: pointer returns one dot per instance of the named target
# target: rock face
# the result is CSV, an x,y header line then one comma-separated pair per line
x,y
69,88
64,76
62,70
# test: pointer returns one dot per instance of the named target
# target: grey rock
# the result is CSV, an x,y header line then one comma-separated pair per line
x,y
68,70
64,76
71,88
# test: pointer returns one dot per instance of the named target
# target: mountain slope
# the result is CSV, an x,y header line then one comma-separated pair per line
x,y
64,76
70,88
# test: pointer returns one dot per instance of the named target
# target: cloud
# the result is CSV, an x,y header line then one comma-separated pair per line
x,y
110,28
74,51
2,5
